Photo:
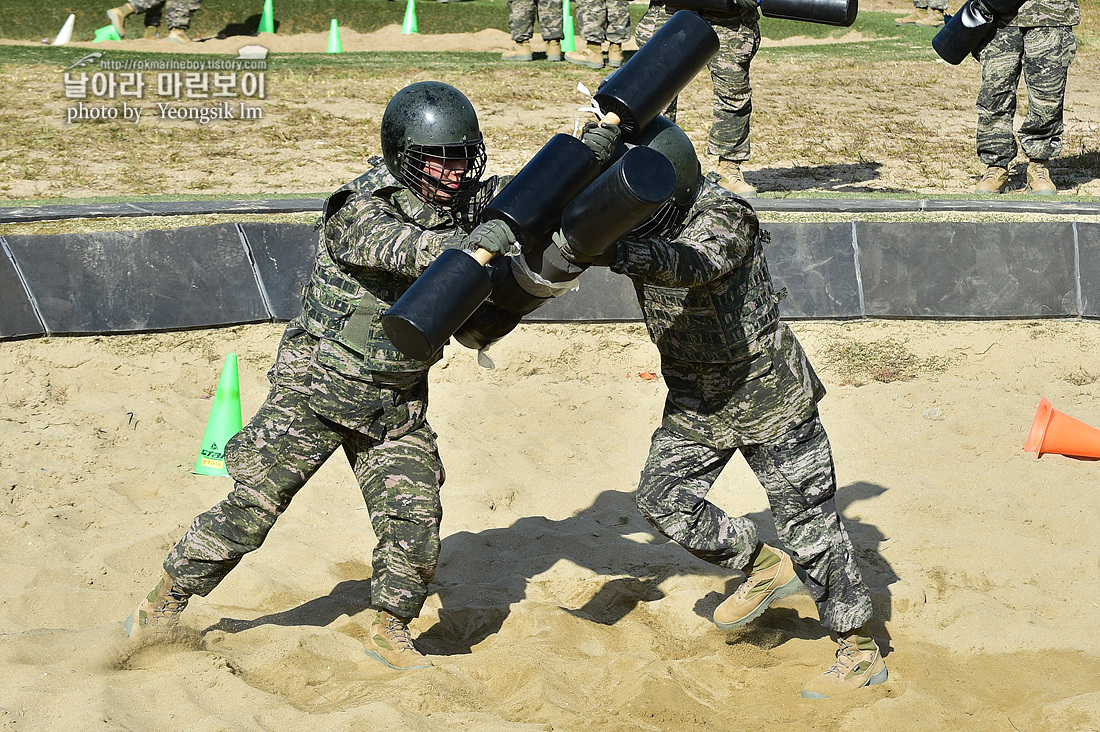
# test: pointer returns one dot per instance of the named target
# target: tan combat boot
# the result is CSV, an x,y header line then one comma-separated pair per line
x,y
733,179
159,613
1038,179
993,180
518,52
591,56
178,35
758,591
389,642
152,31
118,17
553,50
853,670
614,55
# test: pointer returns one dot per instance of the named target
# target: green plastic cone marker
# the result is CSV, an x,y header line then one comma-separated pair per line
x,y
267,20
569,42
106,33
334,45
225,421
409,26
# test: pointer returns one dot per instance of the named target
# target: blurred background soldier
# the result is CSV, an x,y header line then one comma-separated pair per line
x,y
739,36
600,21
521,23
177,14
1039,44
925,12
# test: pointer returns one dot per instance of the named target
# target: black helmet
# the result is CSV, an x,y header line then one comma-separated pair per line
x,y
665,137
433,121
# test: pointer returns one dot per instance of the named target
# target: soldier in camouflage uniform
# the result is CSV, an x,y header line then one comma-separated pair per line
x,y
521,23
338,382
177,13
1039,44
602,20
739,37
738,381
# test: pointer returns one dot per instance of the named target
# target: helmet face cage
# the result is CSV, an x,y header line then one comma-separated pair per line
x,y
435,188
665,221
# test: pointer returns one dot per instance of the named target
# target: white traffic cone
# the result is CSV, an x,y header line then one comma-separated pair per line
x,y
66,33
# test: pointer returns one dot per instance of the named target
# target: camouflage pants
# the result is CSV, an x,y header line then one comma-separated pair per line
x,y
521,19
272,458
177,12
739,40
797,474
931,4
604,20
1042,56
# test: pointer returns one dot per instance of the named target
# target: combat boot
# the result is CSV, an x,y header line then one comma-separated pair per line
x,y
733,179
518,52
158,615
591,56
759,590
928,17
1038,179
152,31
853,670
118,17
178,35
553,50
389,642
614,55
993,180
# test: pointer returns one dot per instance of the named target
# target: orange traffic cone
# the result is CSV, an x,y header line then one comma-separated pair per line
x,y
1054,432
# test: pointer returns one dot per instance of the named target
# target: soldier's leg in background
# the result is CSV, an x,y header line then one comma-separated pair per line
x,y
1001,65
1047,55
798,475
550,20
672,497
521,19
729,71
177,13
400,479
270,460
618,21
592,18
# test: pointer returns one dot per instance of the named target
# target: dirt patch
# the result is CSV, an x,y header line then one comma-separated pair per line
x,y
820,123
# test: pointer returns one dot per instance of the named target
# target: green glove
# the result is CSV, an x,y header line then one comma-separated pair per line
x,y
603,259
600,139
493,236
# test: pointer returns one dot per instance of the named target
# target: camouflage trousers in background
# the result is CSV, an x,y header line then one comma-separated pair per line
x,y
797,474
272,458
931,4
176,12
604,20
521,19
739,40
1042,55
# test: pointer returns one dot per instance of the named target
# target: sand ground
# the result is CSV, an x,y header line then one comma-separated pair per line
x,y
555,606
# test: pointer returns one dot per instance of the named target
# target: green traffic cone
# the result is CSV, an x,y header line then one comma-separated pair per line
x,y
106,33
334,45
409,26
267,20
569,42
224,422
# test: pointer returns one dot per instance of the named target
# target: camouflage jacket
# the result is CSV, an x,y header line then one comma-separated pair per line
x,y
1038,13
735,374
374,242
